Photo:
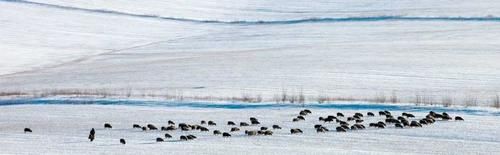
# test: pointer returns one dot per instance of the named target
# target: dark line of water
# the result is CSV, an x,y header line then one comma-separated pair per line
x,y
270,22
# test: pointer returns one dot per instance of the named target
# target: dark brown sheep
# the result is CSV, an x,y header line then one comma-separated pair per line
x,y
244,124
211,123
295,131
122,141
203,122
340,114
370,114
458,118
136,126
263,128
159,139
107,125
230,123
171,122
152,127
276,127
168,135
183,138
234,129
225,134
340,129
217,132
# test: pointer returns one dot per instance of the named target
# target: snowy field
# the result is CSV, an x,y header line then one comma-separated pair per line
x,y
441,49
63,129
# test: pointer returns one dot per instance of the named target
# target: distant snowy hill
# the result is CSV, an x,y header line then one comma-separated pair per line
x,y
228,48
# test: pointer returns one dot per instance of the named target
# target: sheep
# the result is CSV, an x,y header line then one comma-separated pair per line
x,y
322,129
230,123
244,124
203,122
358,114
398,125
122,141
217,132
392,120
301,117
152,127
183,138
171,122
321,119
408,115
255,122
370,114
225,134
295,131
234,129
107,125
263,128
415,124
340,129
295,120
136,126
204,129
268,132
458,118
350,119
446,117
191,137
307,111
159,139
276,127
250,133
253,119
168,135
343,123
345,126
211,123
317,126
144,128
380,113
340,114
359,121
303,113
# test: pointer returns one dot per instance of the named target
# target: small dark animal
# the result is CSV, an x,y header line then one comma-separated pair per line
x,y
370,114
107,125
230,123
168,135
340,114
159,139
380,113
122,141
295,131
211,123
301,117
263,128
217,132
321,129
276,127
234,129
398,125
250,133
203,122
307,111
152,127
415,124
303,113
268,132
191,137
340,129
359,121
92,131
253,119
171,122
255,122
295,120
184,138
244,124
144,128
136,126
458,118
204,129
225,134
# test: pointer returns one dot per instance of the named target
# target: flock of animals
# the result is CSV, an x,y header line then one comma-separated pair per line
x,y
344,124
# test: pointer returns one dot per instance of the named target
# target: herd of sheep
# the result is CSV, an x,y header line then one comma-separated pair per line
x,y
345,124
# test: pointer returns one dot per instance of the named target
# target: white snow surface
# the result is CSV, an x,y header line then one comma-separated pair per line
x,y
63,129
259,47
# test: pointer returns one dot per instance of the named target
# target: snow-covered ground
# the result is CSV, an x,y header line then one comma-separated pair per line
x,y
63,129
228,48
